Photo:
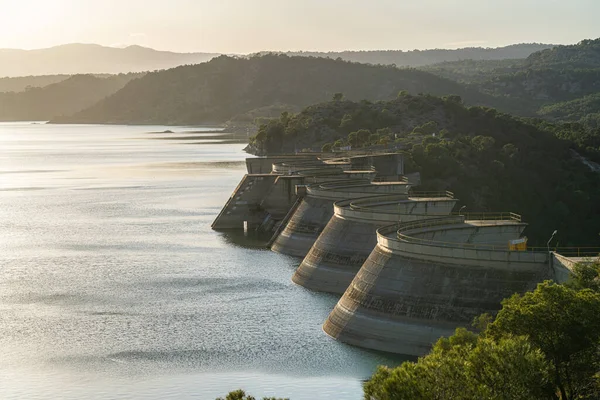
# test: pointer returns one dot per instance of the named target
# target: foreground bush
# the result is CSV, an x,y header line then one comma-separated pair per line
x,y
542,345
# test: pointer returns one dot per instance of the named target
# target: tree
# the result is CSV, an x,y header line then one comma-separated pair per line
x,y
363,136
353,139
542,345
346,121
338,97
565,325
326,148
483,143
241,395
466,367
338,143
585,276
430,127
374,138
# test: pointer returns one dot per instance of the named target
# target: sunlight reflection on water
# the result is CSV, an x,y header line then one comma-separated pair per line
x,y
113,285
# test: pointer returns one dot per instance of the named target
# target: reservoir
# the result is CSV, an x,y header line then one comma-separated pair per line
x,y
113,285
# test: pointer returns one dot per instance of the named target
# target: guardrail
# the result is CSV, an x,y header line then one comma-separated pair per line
x,y
432,194
372,204
489,216
455,220
581,252
359,168
572,251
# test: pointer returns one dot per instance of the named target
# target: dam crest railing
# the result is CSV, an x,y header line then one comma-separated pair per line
x,y
504,218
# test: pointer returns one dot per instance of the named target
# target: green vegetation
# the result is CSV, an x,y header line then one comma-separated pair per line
x,y
241,395
542,345
65,97
585,54
226,87
491,161
585,109
475,71
560,84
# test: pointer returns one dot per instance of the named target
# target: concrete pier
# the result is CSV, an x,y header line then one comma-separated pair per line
x,y
316,209
427,277
351,234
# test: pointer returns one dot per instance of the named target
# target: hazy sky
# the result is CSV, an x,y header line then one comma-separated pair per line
x,y
243,26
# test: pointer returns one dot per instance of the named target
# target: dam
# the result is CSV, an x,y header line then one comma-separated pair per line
x,y
316,209
350,235
425,278
268,193
408,269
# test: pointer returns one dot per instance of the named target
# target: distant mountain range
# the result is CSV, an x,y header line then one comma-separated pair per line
x,y
72,59
92,59
419,58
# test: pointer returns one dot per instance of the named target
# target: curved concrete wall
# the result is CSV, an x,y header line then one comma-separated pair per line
x,y
350,236
316,209
411,291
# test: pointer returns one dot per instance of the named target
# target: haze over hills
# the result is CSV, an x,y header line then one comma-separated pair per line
x,y
551,84
96,59
91,58
418,58
19,84
226,87
62,98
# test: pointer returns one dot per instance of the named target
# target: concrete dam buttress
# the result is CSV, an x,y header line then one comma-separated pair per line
x,y
268,192
350,236
428,277
316,209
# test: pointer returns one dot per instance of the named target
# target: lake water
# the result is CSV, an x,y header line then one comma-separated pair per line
x,y
113,285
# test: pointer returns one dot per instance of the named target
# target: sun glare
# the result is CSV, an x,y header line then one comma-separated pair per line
x,y
22,20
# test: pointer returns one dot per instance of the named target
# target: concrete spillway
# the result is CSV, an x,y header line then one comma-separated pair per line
x,y
426,278
316,209
351,234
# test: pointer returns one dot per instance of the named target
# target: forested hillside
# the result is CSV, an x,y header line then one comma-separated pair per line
x,y
418,58
585,109
226,87
543,84
62,98
585,54
475,71
24,82
491,161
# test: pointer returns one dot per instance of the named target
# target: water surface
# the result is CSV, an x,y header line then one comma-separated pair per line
x,y
113,285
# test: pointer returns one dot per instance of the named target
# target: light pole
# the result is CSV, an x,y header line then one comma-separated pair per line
x,y
549,240
461,210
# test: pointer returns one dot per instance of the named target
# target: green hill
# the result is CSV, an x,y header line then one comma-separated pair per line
x,y
560,84
585,109
20,84
585,54
475,71
491,161
225,87
66,97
